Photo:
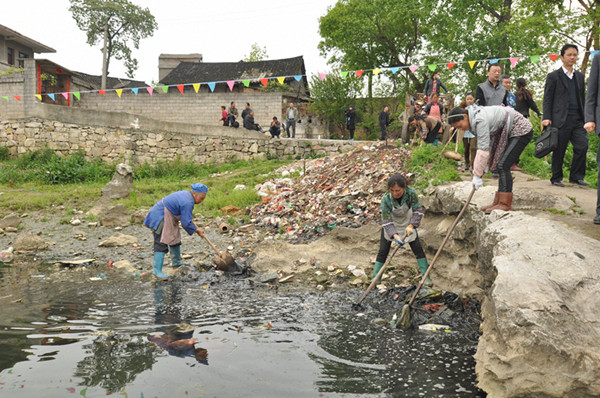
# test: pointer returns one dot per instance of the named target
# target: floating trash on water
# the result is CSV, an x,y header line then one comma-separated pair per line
x,y
433,327
360,314
95,278
38,276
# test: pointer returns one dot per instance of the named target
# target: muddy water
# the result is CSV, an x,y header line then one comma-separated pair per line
x,y
61,336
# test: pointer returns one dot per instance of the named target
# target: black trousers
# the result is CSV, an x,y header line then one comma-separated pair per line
x,y
598,201
383,132
433,134
351,130
384,248
514,148
291,123
573,132
159,246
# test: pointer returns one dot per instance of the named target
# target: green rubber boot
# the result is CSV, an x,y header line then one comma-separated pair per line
x,y
423,265
376,269
176,256
159,257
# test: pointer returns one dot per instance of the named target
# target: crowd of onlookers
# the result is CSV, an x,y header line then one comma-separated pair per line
x,y
229,117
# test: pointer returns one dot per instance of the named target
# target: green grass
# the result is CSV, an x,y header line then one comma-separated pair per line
x,y
431,167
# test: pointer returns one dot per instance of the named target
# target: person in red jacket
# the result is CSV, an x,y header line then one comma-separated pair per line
x,y
224,116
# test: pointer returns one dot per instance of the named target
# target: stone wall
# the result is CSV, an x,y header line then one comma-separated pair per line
x,y
205,145
9,87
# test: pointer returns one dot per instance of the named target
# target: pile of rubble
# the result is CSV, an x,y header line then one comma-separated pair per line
x,y
314,197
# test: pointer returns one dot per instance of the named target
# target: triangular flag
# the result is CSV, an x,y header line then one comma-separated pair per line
x,y
413,68
196,87
513,61
298,77
6,98
472,64
359,73
150,90
593,53
246,82
180,88
264,81
165,89
432,67
78,96
322,76
534,58
553,57
135,90
494,61
66,95
102,92
230,83
119,92
394,70
376,71
451,64
211,85
344,74
49,95
18,97
281,80
38,96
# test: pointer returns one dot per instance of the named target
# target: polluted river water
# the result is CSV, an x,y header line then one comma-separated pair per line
x,y
217,336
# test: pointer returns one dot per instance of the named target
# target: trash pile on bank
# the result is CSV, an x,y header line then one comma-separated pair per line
x,y
343,190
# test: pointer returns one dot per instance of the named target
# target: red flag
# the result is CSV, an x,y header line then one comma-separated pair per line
x,y
553,57
102,92
180,87
451,64
18,97
264,81
359,73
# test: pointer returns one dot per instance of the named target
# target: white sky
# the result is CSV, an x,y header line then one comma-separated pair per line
x,y
222,31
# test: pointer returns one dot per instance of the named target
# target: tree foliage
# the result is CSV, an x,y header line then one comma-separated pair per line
x,y
127,24
333,95
257,53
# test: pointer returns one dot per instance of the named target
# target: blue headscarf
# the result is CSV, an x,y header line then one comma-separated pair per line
x,y
200,188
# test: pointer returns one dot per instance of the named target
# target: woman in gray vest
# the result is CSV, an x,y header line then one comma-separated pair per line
x,y
502,134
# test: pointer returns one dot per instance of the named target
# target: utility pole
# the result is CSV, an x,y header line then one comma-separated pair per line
x,y
104,55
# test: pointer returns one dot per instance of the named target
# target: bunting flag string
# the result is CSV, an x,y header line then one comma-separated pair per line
x,y
281,79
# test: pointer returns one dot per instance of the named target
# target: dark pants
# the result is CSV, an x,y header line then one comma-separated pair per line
x,y
159,246
514,148
230,119
598,189
384,248
433,134
574,132
291,123
274,132
383,132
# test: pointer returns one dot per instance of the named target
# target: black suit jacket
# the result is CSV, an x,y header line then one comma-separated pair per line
x,y
556,96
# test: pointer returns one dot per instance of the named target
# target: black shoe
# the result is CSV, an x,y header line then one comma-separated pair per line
x,y
597,219
581,182
558,183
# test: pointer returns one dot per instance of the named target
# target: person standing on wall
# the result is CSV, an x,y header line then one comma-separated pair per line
x,y
350,121
292,116
384,122
592,117
434,85
564,101
491,92
164,219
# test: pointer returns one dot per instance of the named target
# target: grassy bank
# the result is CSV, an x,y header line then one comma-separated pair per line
x,y
41,179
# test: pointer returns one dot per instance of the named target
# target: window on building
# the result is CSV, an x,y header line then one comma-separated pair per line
x,y
11,56
21,62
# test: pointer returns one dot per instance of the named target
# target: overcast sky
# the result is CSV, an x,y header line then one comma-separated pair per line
x,y
222,31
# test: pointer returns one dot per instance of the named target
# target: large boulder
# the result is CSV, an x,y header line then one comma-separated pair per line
x,y
10,221
115,216
541,328
119,239
121,183
28,241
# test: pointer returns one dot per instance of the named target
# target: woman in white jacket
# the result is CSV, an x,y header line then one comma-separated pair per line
x,y
502,135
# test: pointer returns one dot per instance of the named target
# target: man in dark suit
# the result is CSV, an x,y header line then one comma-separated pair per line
x,y
592,116
564,109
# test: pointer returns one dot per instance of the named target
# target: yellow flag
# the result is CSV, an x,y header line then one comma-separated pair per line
x,y
196,87
472,64
119,92
376,71
281,80
38,97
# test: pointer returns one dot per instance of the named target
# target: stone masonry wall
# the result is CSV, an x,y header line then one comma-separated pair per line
x,y
9,87
209,145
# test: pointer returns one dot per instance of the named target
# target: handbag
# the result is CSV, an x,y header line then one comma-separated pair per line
x,y
546,142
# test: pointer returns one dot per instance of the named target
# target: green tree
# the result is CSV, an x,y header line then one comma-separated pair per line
x,y
120,24
257,53
332,96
